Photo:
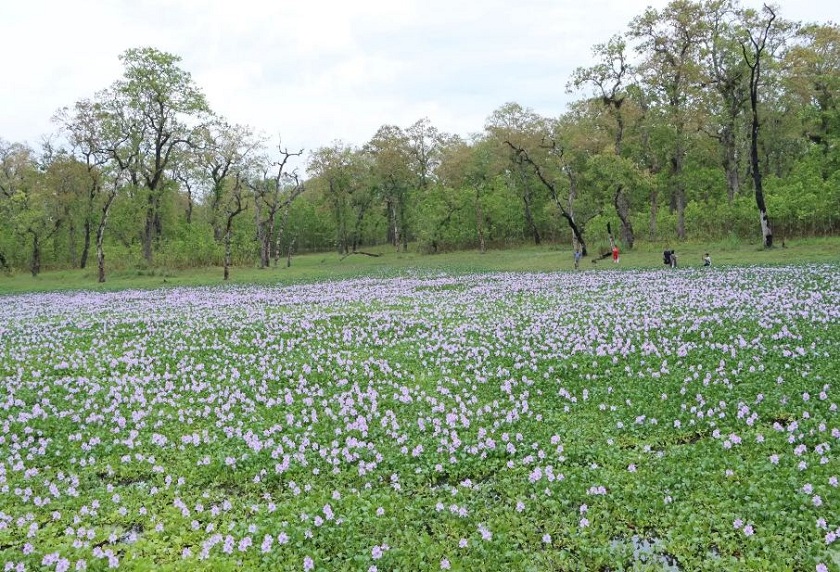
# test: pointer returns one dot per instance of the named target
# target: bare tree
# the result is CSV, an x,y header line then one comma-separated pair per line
x,y
275,193
754,48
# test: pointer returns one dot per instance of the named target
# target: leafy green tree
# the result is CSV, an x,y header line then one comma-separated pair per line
x,y
812,80
393,155
68,179
669,41
725,78
29,202
342,174
156,104
218,152
471,168
514,127
424,143
16,167
610,77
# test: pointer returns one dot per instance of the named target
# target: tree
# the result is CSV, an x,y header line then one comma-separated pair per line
x,y
609,78
393,153
85,127
758,30
95,132
233,205
670,41
274,193
471,167
343,174
153,104
424,141
220,152
515,127
68,179
16,166
552,188
32,209
812,79
726,74
110,193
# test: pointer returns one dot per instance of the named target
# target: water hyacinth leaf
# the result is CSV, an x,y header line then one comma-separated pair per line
x,y
441,419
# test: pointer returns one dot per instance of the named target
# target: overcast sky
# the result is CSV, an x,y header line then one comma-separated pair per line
x,y
319,70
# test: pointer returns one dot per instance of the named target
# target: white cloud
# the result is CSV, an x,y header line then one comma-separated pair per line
x,y
318,70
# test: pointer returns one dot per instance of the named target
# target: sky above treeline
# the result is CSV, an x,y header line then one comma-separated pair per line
x,y
315,71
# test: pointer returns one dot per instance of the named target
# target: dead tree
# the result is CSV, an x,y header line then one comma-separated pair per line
x,y
757,44
275,194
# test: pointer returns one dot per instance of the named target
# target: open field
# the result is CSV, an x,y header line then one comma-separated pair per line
x,y
634,419
330,266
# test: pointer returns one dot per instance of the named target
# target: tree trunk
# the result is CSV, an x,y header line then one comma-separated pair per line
x,y
403,227
86,245
754,64
71,243
529,218
681,212
576,232
149,229
100,236
35,266
216,202
391,237
259,226
622,207
189,206
678,196
228,251
654,209
100,252
100,261
570,203
766,230
266,239
289,257
231,214
357,230
278,248
730,162
397,229
343,241
479,222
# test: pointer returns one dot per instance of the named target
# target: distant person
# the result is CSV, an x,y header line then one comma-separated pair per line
x,y
615,253
707,260
666,257
673,259
577,255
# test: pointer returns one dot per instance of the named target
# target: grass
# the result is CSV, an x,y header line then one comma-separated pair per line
x,y
330,266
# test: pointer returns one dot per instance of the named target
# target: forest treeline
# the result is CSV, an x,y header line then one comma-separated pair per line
x,y
703,120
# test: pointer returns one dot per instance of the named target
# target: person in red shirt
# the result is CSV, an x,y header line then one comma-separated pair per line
x,y
615,253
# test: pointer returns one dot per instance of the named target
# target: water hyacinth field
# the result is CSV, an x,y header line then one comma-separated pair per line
x,y
616,420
